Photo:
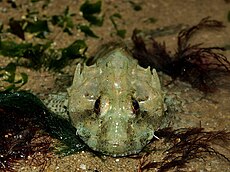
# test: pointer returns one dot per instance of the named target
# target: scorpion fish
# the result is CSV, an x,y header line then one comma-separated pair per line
x,y
114,104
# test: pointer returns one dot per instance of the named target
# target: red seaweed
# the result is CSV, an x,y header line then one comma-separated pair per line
x,y
190,63
186,144
27,128
19,137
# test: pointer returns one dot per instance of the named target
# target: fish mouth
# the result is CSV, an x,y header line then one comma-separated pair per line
x,y
124,154
121,149
115,146
116,154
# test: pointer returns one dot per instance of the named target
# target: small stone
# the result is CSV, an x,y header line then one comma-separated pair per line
x,y
83,166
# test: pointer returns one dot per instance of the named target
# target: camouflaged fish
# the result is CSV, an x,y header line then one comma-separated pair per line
x,y
114,104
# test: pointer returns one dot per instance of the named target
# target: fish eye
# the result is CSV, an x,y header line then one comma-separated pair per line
x,y
135,106
97,105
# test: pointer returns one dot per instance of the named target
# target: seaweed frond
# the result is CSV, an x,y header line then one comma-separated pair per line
x,y
190,63
187,144
26,129
20,138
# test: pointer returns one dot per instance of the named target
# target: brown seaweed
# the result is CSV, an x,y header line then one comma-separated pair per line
x,y
190,63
